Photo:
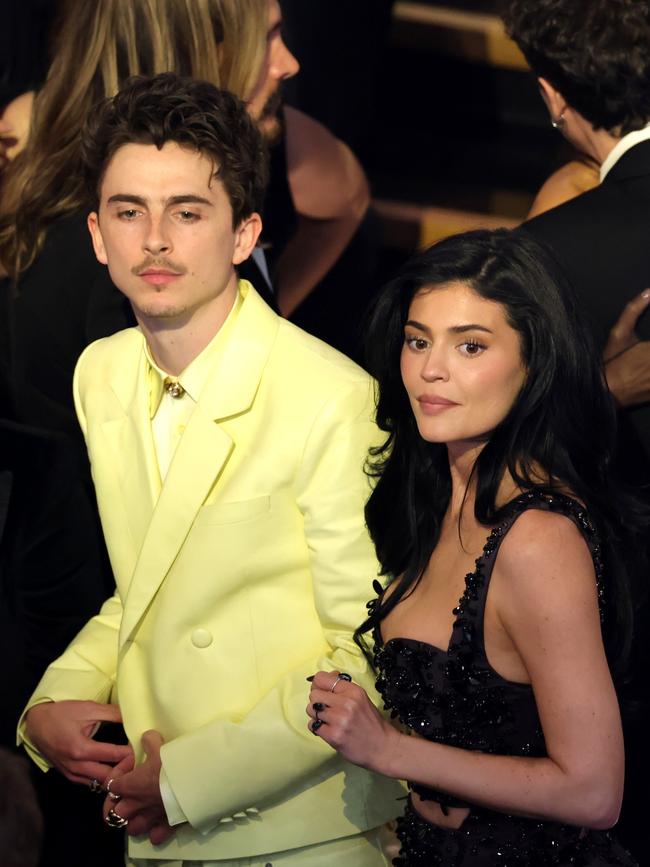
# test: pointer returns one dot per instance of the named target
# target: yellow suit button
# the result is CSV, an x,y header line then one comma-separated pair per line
x,y
201,638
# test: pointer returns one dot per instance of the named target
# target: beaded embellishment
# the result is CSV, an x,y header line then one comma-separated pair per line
x,y
455,697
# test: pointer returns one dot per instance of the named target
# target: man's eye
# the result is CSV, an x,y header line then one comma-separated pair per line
x,y
128,214
188,216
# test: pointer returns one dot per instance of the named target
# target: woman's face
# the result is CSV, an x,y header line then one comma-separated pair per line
x,y
461,364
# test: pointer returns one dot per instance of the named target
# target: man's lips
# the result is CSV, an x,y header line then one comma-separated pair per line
x,y
158,276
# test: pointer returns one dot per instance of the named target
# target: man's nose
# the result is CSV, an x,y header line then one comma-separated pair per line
x,y
285,64
157,239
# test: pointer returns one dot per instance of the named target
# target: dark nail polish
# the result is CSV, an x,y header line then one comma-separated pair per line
x,y
319,706
310,678
316,725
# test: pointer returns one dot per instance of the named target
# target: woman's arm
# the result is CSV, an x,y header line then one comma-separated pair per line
x,y
544,590
331,195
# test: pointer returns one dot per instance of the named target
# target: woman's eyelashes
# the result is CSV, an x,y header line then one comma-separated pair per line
x,y
470,347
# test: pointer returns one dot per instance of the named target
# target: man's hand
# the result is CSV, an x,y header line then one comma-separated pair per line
x,y
627,358
62,731
138,797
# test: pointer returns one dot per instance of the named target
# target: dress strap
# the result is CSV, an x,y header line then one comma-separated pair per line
x,y
470,611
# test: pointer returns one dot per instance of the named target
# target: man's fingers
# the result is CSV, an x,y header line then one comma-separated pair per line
x,y
112,754
84,772
160,833
104,712
123,767
152,741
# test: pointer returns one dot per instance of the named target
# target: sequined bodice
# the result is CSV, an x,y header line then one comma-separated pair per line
x,y
455,697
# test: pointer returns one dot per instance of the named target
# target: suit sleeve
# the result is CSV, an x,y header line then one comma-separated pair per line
x,y
242,764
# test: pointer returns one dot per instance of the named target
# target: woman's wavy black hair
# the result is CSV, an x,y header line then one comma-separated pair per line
x,y
563,420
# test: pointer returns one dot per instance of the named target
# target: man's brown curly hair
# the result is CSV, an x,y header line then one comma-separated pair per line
x,y
596,53
172,108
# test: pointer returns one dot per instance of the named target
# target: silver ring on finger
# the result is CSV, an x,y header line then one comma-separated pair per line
x,y
341,676
114,821
112,795
95,787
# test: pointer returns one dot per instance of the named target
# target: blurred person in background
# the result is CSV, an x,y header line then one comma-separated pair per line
x,y
341,47
592,62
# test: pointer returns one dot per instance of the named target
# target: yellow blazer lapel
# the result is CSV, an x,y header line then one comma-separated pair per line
x,y
128,436
203,450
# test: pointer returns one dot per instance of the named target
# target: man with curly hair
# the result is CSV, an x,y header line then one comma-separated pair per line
x,y
227,450
592,62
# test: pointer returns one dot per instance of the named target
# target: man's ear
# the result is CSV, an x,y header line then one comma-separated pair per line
x,y
246,235
96,235
555,102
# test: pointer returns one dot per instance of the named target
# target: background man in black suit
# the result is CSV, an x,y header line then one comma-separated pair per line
x,y
592,62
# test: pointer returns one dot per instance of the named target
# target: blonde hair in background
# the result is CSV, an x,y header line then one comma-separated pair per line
x,y
98,45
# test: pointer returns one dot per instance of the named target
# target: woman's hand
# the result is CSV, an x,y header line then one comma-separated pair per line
x,y
350,723
627,358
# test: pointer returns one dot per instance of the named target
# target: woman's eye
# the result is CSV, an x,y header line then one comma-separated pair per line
x,y
416,343
471,348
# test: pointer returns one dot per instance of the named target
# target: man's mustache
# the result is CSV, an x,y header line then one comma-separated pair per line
x,y
159,264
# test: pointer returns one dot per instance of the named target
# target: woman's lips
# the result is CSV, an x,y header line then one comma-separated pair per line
x,y
432,404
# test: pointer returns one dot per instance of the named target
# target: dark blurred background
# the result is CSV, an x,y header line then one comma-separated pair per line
x,y
436,102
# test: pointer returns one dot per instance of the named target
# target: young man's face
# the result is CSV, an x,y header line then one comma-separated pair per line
x,y
279,63
164,229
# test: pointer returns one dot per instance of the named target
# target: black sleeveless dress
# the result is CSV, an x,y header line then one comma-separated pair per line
x,y
455,697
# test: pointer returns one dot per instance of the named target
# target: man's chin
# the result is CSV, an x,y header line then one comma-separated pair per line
x,y
160,312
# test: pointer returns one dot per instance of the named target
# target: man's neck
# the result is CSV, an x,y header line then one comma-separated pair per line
x,y
599,143
175,342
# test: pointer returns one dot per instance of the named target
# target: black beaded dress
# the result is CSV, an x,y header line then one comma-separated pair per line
x,y
455,697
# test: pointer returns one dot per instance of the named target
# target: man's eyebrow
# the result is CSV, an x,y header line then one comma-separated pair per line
x,y
125,197
185,198
455,329
189,199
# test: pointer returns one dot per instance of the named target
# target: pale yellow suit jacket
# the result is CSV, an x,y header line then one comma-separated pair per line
x,y
245,572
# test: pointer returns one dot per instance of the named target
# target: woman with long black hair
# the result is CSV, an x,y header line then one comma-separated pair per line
x,y
499,425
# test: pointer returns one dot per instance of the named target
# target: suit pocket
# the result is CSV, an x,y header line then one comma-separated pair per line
x,y
233,513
